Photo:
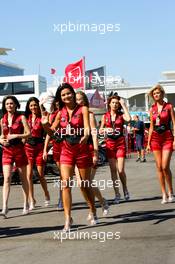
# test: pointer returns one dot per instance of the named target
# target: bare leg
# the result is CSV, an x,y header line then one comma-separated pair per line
x,y
66,174
95,189
87,189
60,191
122,174
166,157
30,182
43,182
114,176
7,172
25,186
158,159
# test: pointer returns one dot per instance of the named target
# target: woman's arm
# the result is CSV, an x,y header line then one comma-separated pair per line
x,y
46,143
173,121
150,132
46,125
93,126
85,112
126,115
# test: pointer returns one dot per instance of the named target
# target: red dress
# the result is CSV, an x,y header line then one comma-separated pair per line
x,y
15,151
34,150
163,140
115,147
73,153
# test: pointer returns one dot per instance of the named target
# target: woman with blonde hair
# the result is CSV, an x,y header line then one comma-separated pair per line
x,y
161,140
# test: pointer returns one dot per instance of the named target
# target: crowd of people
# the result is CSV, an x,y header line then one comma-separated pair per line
x,y
71,129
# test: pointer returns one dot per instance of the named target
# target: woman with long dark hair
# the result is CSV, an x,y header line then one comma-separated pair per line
x,y
72,127
34,150
14,128
82,99
112,126
161,139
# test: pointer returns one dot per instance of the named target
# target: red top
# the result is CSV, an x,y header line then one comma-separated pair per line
x,y
36,128
117,125
76,120
164,115
16,126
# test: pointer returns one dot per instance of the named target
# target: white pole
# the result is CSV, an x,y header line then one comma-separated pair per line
x,y
105,85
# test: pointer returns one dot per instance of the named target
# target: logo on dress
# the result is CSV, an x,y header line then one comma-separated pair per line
x,y
63,119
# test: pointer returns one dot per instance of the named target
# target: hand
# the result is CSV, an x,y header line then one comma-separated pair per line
x,y
122,102
148,148
95,159
174,145
4,142
84,140
45,155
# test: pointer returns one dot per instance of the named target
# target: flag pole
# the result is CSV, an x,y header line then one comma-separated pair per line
x,y
84,73
105,85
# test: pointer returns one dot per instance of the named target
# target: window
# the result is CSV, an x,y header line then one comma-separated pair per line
x,y
23,87
5,88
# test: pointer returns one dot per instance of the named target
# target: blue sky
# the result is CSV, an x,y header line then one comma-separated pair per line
x,y
139,52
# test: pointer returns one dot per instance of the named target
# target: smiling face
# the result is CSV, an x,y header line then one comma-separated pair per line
x,y
114,104
34,108
157,95
10,106
67,96
79,99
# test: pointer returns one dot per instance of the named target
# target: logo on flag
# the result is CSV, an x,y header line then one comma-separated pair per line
x,y
97,101
74,74
95,79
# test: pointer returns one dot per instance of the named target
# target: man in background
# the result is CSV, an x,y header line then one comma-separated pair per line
x,y
139,134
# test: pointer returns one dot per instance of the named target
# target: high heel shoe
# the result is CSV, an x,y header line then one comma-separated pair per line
x,y
164,199
170,198
93,219
68,224
4,212
25,210
32,205
46,203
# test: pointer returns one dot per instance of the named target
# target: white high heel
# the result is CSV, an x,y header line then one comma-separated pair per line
x,y
170,198
4,212
164,199
68,224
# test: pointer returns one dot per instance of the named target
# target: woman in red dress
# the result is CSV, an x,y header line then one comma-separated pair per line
x,y
82,99
14,128
72,126
34,150
161,139
112,125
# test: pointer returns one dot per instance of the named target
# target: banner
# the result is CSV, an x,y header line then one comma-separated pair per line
x,y
95,78
97,101
74,74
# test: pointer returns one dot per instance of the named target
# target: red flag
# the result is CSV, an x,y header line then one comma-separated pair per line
x,y
52,71
74,74
97,100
